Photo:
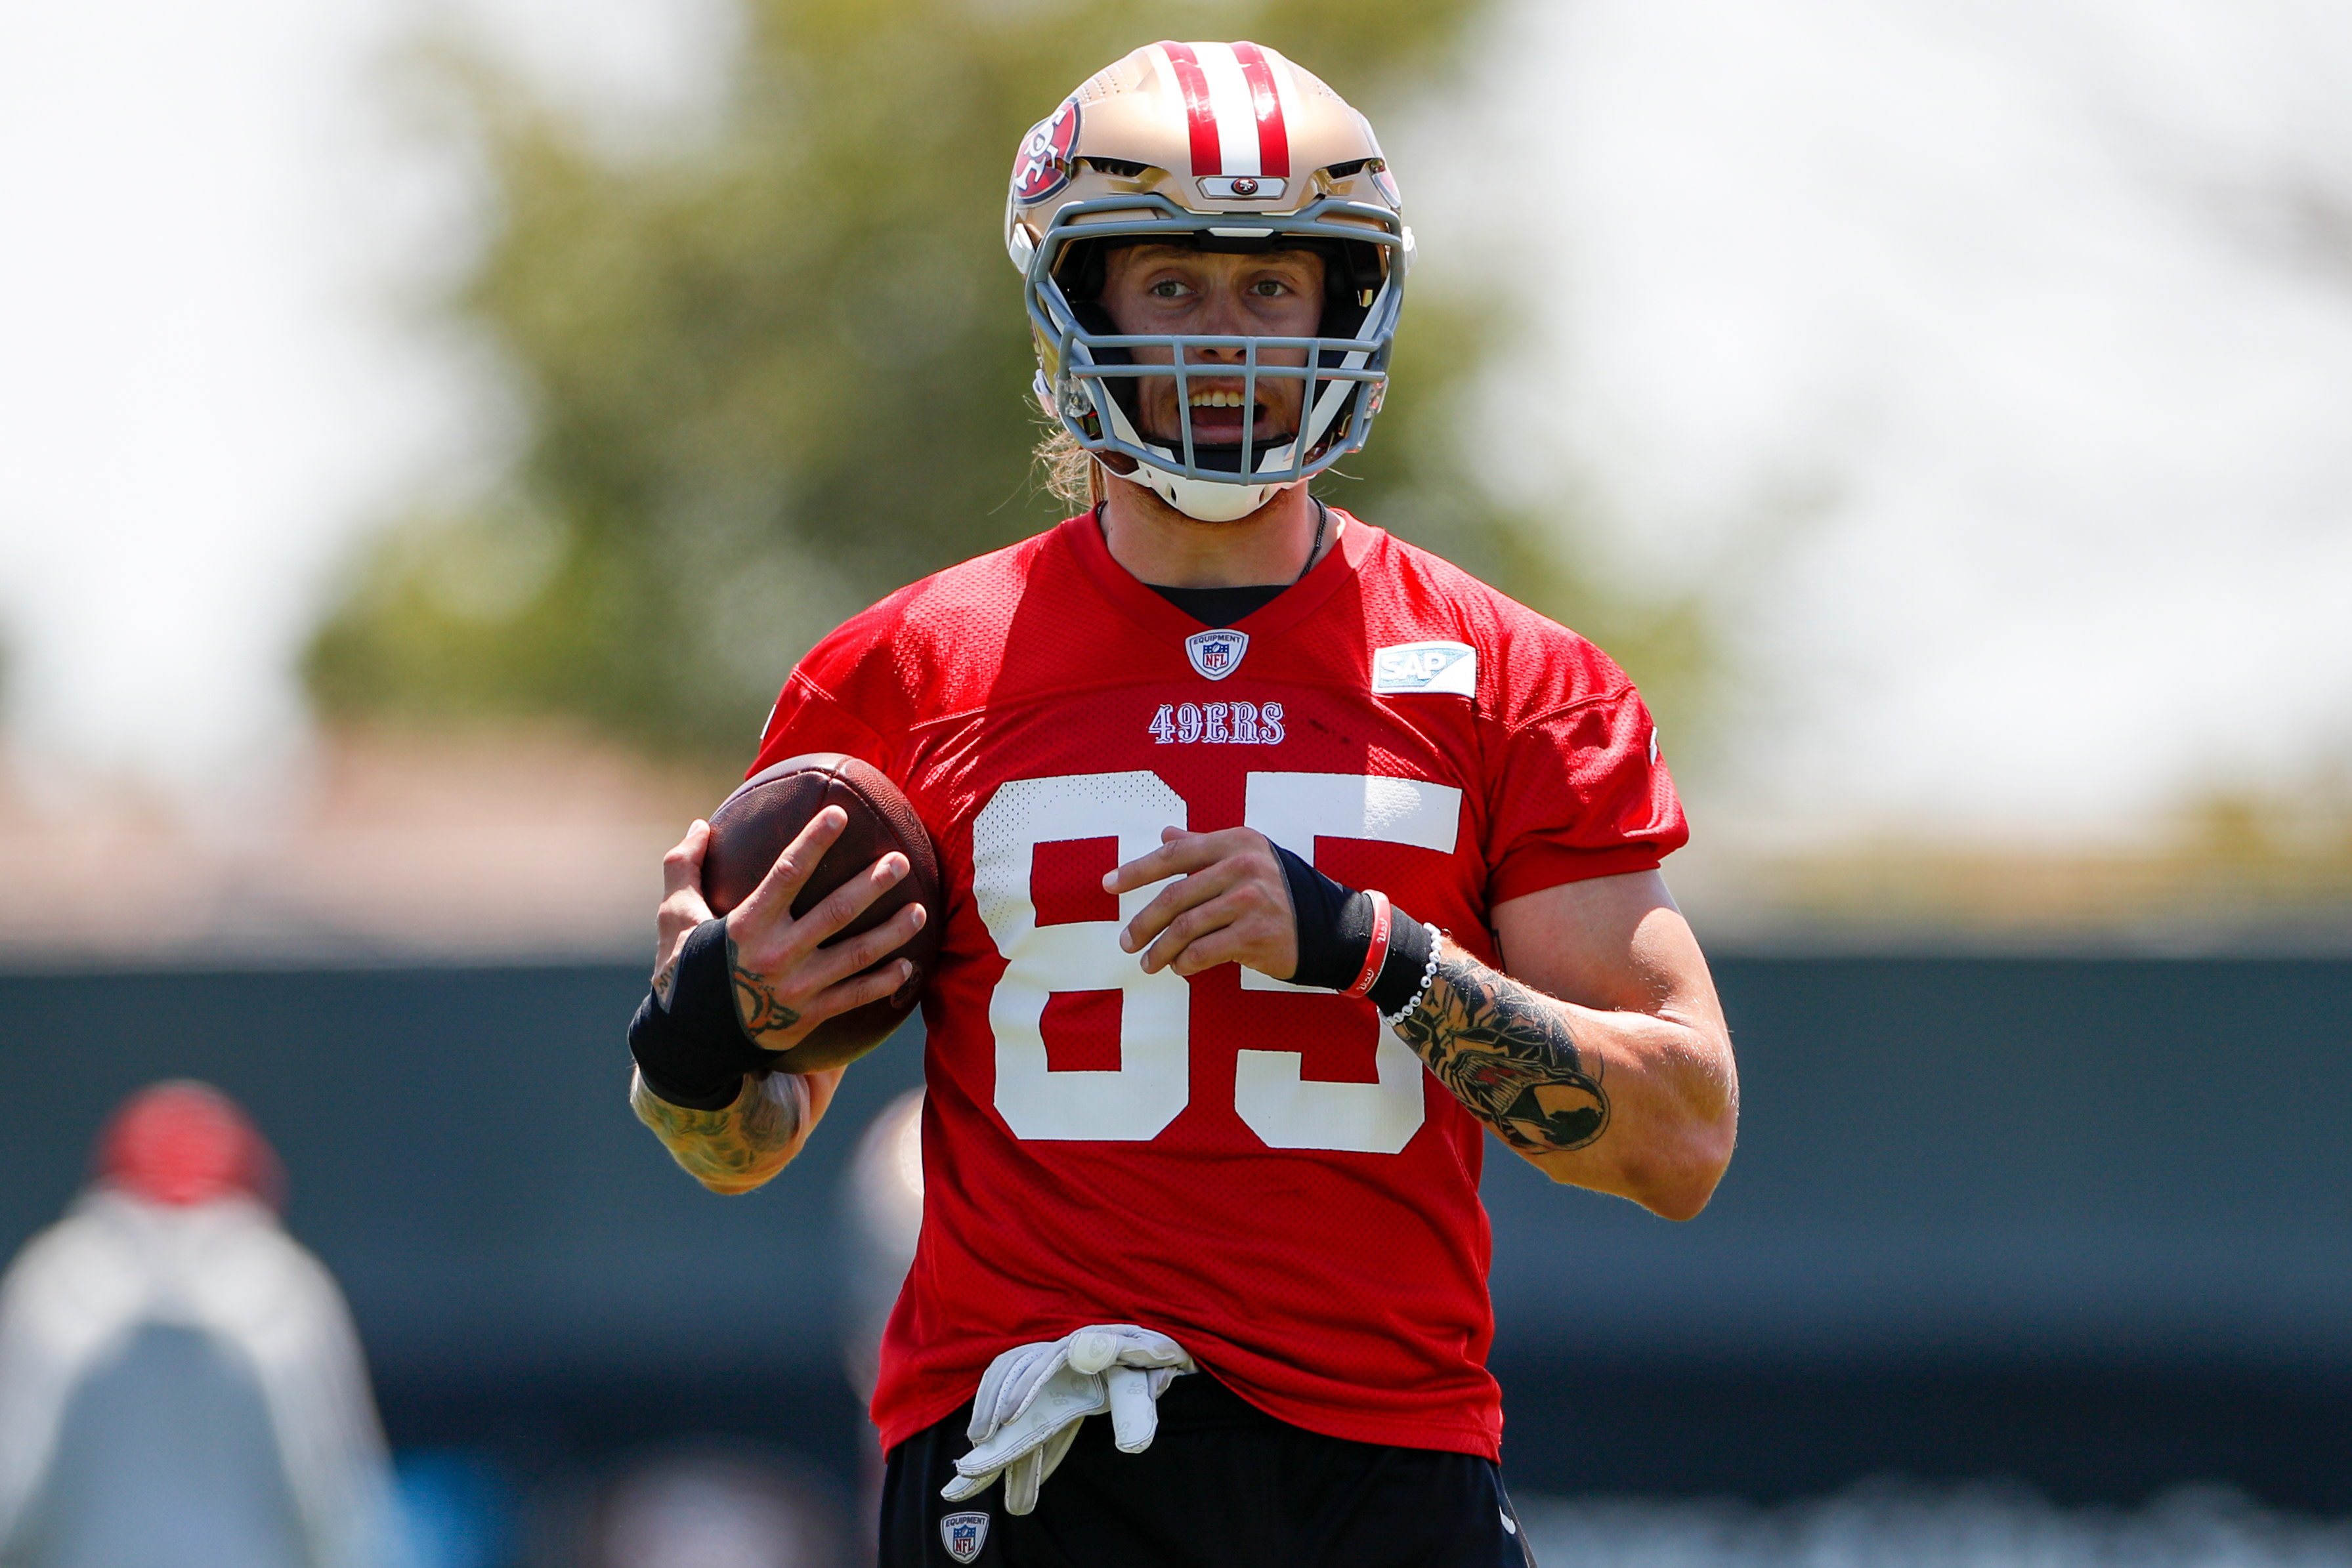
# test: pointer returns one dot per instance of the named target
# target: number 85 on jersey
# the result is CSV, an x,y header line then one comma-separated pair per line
x,y
1152,1085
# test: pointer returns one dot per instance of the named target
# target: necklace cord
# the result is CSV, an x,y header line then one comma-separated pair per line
x,y
1322,521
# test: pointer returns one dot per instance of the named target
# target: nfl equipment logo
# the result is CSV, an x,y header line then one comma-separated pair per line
x,y
1216,654
963,1534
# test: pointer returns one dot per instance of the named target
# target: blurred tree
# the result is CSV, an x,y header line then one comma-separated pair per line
x,y
774,374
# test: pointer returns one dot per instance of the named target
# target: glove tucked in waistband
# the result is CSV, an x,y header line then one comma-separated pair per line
x,y
1034,1396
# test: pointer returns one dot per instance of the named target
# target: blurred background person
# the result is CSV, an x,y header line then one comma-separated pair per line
x,y
180,1385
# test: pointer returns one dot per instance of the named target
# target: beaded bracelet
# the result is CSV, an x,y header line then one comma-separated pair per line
x,y
1428,976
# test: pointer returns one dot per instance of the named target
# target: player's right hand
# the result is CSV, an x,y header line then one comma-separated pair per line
x,y
786,981
1231,906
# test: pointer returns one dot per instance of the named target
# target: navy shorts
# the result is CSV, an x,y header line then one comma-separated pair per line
x,y
1223,1485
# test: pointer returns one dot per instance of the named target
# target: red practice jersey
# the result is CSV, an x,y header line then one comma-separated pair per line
x,y
1265,1172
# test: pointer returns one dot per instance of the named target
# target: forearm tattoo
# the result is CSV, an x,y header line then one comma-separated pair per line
x,y
756,1002
731,1150
1505,1051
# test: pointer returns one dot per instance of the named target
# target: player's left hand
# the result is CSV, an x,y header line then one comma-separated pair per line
x,y
1233,905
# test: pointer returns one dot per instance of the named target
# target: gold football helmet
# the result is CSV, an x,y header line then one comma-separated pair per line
x,y
1227,147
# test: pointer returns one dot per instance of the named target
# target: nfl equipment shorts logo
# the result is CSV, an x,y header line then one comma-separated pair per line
x,y
963,1534
1216,654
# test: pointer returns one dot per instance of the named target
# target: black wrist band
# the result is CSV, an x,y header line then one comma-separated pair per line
x,y
1335,932
694,1052
1410,945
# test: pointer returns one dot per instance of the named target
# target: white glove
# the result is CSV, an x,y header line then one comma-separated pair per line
x,y
1027,1412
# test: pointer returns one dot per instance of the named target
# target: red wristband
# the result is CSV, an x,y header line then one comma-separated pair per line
x,y
1379,952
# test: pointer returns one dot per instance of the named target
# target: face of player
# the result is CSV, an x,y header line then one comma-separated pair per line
x,y
1155,289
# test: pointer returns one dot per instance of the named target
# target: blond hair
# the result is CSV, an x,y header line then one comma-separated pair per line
x,y
1070,472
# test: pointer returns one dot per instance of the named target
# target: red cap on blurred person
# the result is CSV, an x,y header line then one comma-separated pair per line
x,y
184,1143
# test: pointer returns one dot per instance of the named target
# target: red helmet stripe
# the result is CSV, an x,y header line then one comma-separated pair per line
x,y
1195,82
1273,135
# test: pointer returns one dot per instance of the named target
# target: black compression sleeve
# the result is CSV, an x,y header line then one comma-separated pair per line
x,y
1335,925
1335,932
694,1052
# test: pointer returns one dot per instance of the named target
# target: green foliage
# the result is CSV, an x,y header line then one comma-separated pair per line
x,y
775,374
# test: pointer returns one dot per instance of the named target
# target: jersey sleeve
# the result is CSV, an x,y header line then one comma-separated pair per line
x,y
849,694
1580,793
808,719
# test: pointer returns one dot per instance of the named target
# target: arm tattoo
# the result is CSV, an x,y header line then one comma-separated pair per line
x,y
734,1150
1505,1052
756,1002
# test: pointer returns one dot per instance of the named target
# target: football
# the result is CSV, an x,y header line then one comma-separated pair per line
x,y
759,822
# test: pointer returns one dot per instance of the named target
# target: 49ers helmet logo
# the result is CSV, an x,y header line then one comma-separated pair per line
x,y
1043,165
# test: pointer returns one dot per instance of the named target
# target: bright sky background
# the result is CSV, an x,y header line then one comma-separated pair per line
x,y
215,374
1986,361
1978,357
196,405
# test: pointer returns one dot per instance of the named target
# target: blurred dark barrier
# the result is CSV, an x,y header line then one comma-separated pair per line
x,y
2088,1223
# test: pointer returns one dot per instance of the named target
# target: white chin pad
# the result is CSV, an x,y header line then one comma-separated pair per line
x,y
1204,500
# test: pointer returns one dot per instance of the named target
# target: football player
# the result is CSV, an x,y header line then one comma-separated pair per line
x,y
1284,863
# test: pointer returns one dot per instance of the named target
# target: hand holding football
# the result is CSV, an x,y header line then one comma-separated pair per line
x,y
760,821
